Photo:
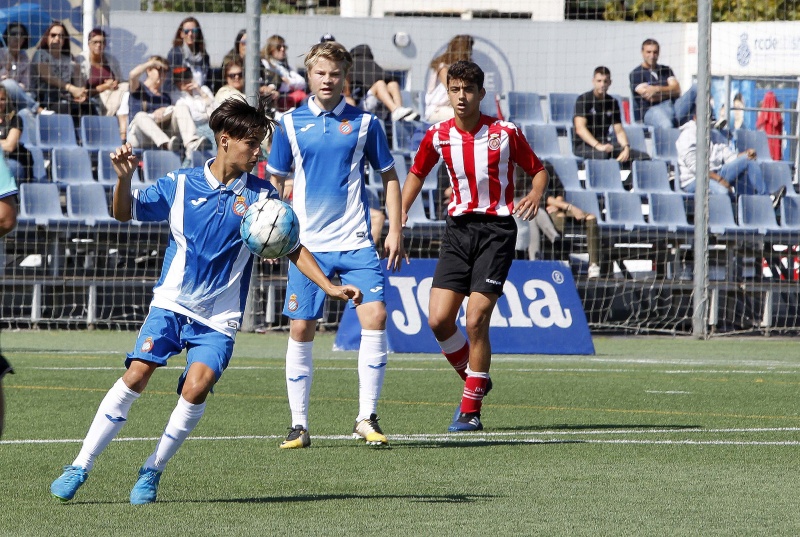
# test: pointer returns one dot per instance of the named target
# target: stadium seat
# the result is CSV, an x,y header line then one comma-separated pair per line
x,y
664,144
57,130
71,165
40,203
199,158
586,201
562,108
100,133
778,173
720,215
566,169
106,174
651,176
489,104
88,203
543,139
525,108
624,209
603,176
636,137
624,103
157,163
416,213
756,213
407,135
790,213
747,139
667,210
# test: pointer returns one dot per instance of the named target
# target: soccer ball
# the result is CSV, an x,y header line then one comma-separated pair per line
x,y
270,229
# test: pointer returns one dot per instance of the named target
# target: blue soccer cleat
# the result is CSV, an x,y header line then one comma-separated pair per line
x,y
68,483
146,487
466,421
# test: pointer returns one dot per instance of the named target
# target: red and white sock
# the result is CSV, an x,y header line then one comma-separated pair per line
x,y
456,350
474,390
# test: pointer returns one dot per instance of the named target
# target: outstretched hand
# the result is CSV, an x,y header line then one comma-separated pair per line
x,y
124,161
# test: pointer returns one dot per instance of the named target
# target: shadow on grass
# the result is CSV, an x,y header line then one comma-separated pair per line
x,y
418,498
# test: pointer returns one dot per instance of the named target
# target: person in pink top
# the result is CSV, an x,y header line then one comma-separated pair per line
x,y
480,153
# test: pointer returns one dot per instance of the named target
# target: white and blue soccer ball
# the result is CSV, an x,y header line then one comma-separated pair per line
x,y
270,229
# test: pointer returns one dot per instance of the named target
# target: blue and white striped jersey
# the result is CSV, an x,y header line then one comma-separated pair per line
x,y
329,151
207,267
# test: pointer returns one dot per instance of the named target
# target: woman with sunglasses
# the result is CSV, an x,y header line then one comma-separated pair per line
x,y
268,81
189,50
56,76
233,71
15,67
293,86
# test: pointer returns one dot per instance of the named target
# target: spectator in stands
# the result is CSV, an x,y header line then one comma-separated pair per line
x,y
102,74
198,303
56,76
729,172
233,73
598,124
657,99
156,122
200,102
268,81
770,120
293,86
478,243
370,83
189,50
437,104
8,221
15,67
17,157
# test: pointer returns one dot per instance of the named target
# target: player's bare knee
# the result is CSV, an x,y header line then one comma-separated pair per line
x,y
138,375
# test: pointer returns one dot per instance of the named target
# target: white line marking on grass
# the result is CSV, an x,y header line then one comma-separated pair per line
x,y
515,436
668,392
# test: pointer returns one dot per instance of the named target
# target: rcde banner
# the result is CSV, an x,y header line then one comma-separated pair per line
x,y
539,313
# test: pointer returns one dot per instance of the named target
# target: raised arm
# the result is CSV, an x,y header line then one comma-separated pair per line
x,y
125,163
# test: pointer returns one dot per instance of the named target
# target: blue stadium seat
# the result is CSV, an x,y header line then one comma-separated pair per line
x,y
199,158
664,144
40,203
489,104
667,210
624,102
157,163
636,137
56,130
790,213
416,213
525,108
71,165
651,176
88,203
544,140
562,108
603,176
757,213
624,209
100,133
720,215
747,139
585,201
566,169
407,135
106,174
778,173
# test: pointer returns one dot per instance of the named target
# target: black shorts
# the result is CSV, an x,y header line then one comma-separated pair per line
x,y
476,254
5,367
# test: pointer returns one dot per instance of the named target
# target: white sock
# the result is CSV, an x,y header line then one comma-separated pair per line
x,y
454,343
111,415
299,373
471,373
372,357
181,423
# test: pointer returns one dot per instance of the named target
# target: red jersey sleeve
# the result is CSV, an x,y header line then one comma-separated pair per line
x,y
426,157
523,155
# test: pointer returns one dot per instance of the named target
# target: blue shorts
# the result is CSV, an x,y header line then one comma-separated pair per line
x,y
361,268
166,333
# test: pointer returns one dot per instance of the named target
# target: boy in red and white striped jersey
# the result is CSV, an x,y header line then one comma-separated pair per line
x,y
480,153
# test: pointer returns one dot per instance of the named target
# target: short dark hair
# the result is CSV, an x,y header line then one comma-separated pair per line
x,y
602,70
22,30
237,118
467,71
650,41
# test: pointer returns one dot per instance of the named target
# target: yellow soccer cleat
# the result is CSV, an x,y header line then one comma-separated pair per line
x,y
297,438
369,431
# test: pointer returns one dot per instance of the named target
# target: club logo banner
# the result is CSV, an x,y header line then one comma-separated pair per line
x,y
540,312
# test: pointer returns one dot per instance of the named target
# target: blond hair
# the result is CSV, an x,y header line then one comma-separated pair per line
x,y
330,50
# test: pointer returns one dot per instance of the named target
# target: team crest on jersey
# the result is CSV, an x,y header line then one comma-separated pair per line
x,y
239,206
293,305
345,127
147,346
494,141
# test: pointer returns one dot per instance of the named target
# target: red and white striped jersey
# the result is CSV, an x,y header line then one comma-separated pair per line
x,y
480,163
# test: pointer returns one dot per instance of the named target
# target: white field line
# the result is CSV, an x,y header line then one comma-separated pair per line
x,y
519,437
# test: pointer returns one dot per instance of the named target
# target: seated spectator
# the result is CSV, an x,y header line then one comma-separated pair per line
x,y
598,124
155,121
15,67
437,105
102,74
233,72
293,86
268,81
200,102
370,83
19,159
657,99
56,76
729,172
189,50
